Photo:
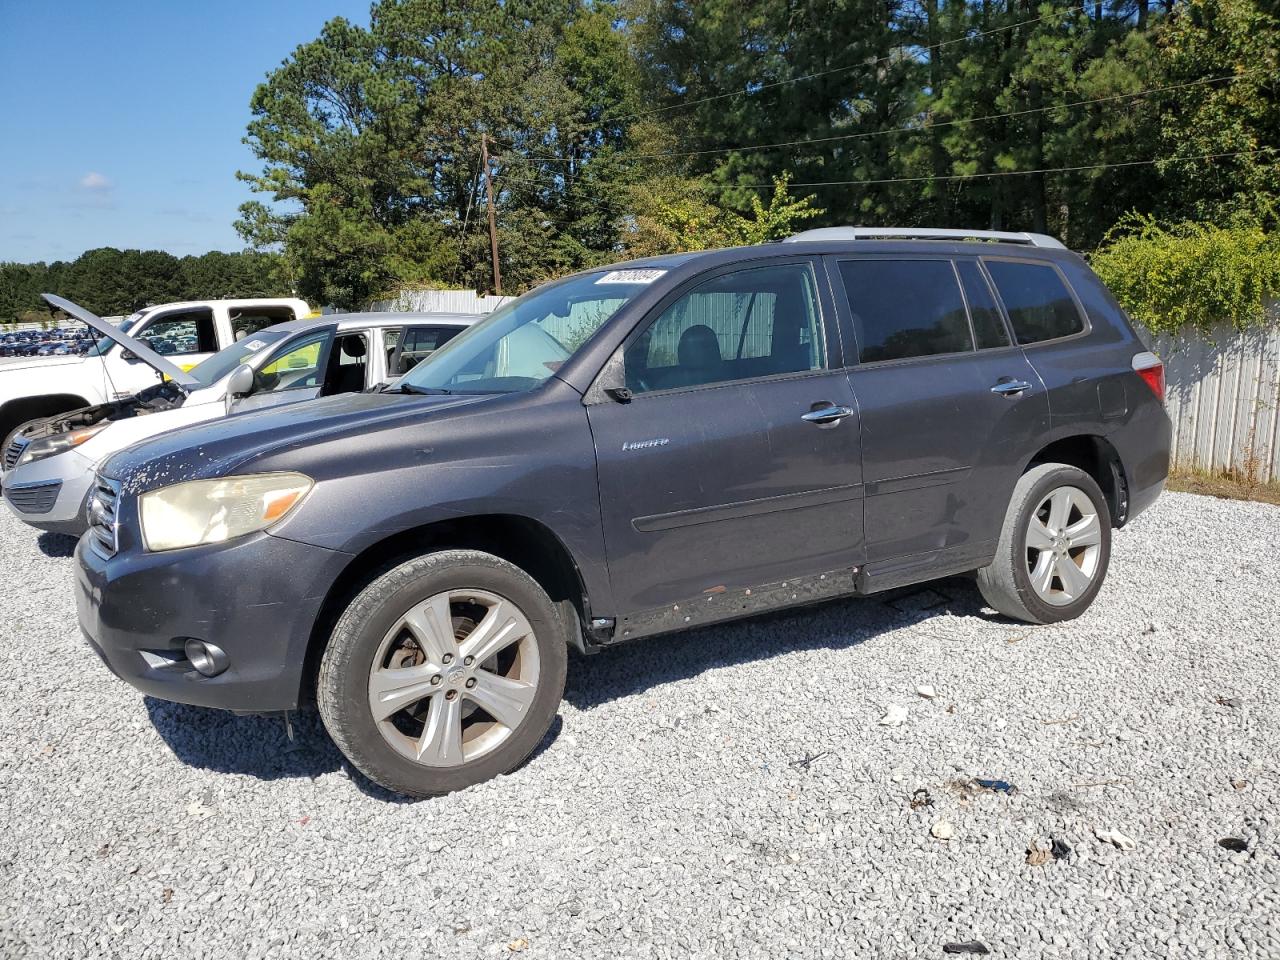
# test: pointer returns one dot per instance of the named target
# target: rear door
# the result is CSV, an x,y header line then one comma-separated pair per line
x,y
948,406
735,464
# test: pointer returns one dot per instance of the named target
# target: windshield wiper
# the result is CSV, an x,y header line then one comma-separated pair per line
x,y
423,391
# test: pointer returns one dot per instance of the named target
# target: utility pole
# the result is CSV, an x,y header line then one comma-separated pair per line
x,y
493,223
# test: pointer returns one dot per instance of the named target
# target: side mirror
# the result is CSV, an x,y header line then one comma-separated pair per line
x,y
242,381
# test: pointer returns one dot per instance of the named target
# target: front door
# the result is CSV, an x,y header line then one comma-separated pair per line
x,y
735,464
948,404
184,337
292,373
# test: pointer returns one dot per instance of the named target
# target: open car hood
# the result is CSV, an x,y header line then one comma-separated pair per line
x,y
134,346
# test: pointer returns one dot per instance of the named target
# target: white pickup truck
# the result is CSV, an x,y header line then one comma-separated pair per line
x,y
184,333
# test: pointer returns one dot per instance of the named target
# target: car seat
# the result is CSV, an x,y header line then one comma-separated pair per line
x,y
346,377
698,355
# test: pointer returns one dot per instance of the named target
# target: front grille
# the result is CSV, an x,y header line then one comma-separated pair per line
x,y
101,511
14,451
34,497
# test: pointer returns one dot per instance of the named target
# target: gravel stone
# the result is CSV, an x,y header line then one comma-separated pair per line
x,y
668,813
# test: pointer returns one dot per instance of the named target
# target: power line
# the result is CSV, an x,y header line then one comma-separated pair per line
x,y
996,173
915,128
825,73
958,176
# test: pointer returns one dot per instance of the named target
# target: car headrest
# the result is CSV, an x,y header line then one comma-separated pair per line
x,y
353,346
699,347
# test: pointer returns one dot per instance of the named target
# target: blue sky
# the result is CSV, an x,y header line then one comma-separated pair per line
x,y
120,122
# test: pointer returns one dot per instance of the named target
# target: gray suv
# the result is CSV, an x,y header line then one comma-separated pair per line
x,y
625,452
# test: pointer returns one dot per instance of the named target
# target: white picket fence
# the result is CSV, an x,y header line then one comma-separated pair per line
x,y
441,301
1223,394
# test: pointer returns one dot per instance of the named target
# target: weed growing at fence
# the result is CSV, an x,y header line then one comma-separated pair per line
x,y
1190,274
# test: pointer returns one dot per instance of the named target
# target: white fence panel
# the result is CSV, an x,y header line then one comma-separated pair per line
x,y
1224,398
441,301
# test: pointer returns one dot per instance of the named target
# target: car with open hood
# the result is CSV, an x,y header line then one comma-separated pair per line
x,y
48,464
186,333
630,451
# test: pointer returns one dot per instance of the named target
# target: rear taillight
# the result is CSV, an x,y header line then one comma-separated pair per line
x,y
1151,370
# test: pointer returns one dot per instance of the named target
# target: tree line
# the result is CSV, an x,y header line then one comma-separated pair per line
x,y
619,128
113,282
623,128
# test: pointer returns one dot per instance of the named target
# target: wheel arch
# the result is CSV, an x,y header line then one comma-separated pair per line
x,y
17,411
1095,455
522,541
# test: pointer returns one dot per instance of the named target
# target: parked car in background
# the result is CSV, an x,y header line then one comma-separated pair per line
x,y
625,452
49,385
48,465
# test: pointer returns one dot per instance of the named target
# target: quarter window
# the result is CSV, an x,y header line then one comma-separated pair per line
x,y
905,308
1039,305
750,323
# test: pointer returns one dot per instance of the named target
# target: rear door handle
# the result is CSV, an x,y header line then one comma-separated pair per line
x,y
827,414
1011,388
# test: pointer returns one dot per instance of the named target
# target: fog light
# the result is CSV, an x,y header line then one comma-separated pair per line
x,y
208,659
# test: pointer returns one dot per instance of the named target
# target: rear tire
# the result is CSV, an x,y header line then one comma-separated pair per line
x,y
1054,547
444,672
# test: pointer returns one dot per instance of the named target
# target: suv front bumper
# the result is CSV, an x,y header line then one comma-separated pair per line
x,y
257,598
49,494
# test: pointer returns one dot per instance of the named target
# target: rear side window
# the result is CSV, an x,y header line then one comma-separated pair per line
x,y
988,325
247,321
905,308
421,342
1039,305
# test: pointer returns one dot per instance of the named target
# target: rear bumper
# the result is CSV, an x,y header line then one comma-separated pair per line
x,y
256,598
1144,445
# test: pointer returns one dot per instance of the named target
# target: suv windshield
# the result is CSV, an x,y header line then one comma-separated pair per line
x,y
224,361
526,341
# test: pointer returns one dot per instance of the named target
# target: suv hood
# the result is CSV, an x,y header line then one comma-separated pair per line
x,y
218,447
8,364
134,346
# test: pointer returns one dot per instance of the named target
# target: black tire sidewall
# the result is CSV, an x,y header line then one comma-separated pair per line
x,y
1064,476
356,639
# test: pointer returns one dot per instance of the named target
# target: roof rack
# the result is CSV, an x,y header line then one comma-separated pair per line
x,y
922,233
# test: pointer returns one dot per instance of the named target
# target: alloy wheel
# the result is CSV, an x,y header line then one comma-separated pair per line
x,y
1064,546
454,677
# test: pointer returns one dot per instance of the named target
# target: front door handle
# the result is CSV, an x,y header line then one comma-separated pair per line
x,y
1011,388
827,414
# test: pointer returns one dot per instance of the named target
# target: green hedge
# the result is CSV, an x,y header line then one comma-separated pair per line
x,y
1190,274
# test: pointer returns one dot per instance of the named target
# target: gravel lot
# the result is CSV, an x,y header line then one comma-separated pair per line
x,y
729,792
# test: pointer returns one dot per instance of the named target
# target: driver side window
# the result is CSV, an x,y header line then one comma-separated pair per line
x,y
175,334
759,322
296,365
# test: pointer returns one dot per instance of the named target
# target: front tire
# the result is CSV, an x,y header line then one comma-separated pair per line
x,y
443,672
1054,547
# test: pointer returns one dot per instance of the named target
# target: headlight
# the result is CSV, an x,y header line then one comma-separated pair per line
x,y
213,511
58,443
